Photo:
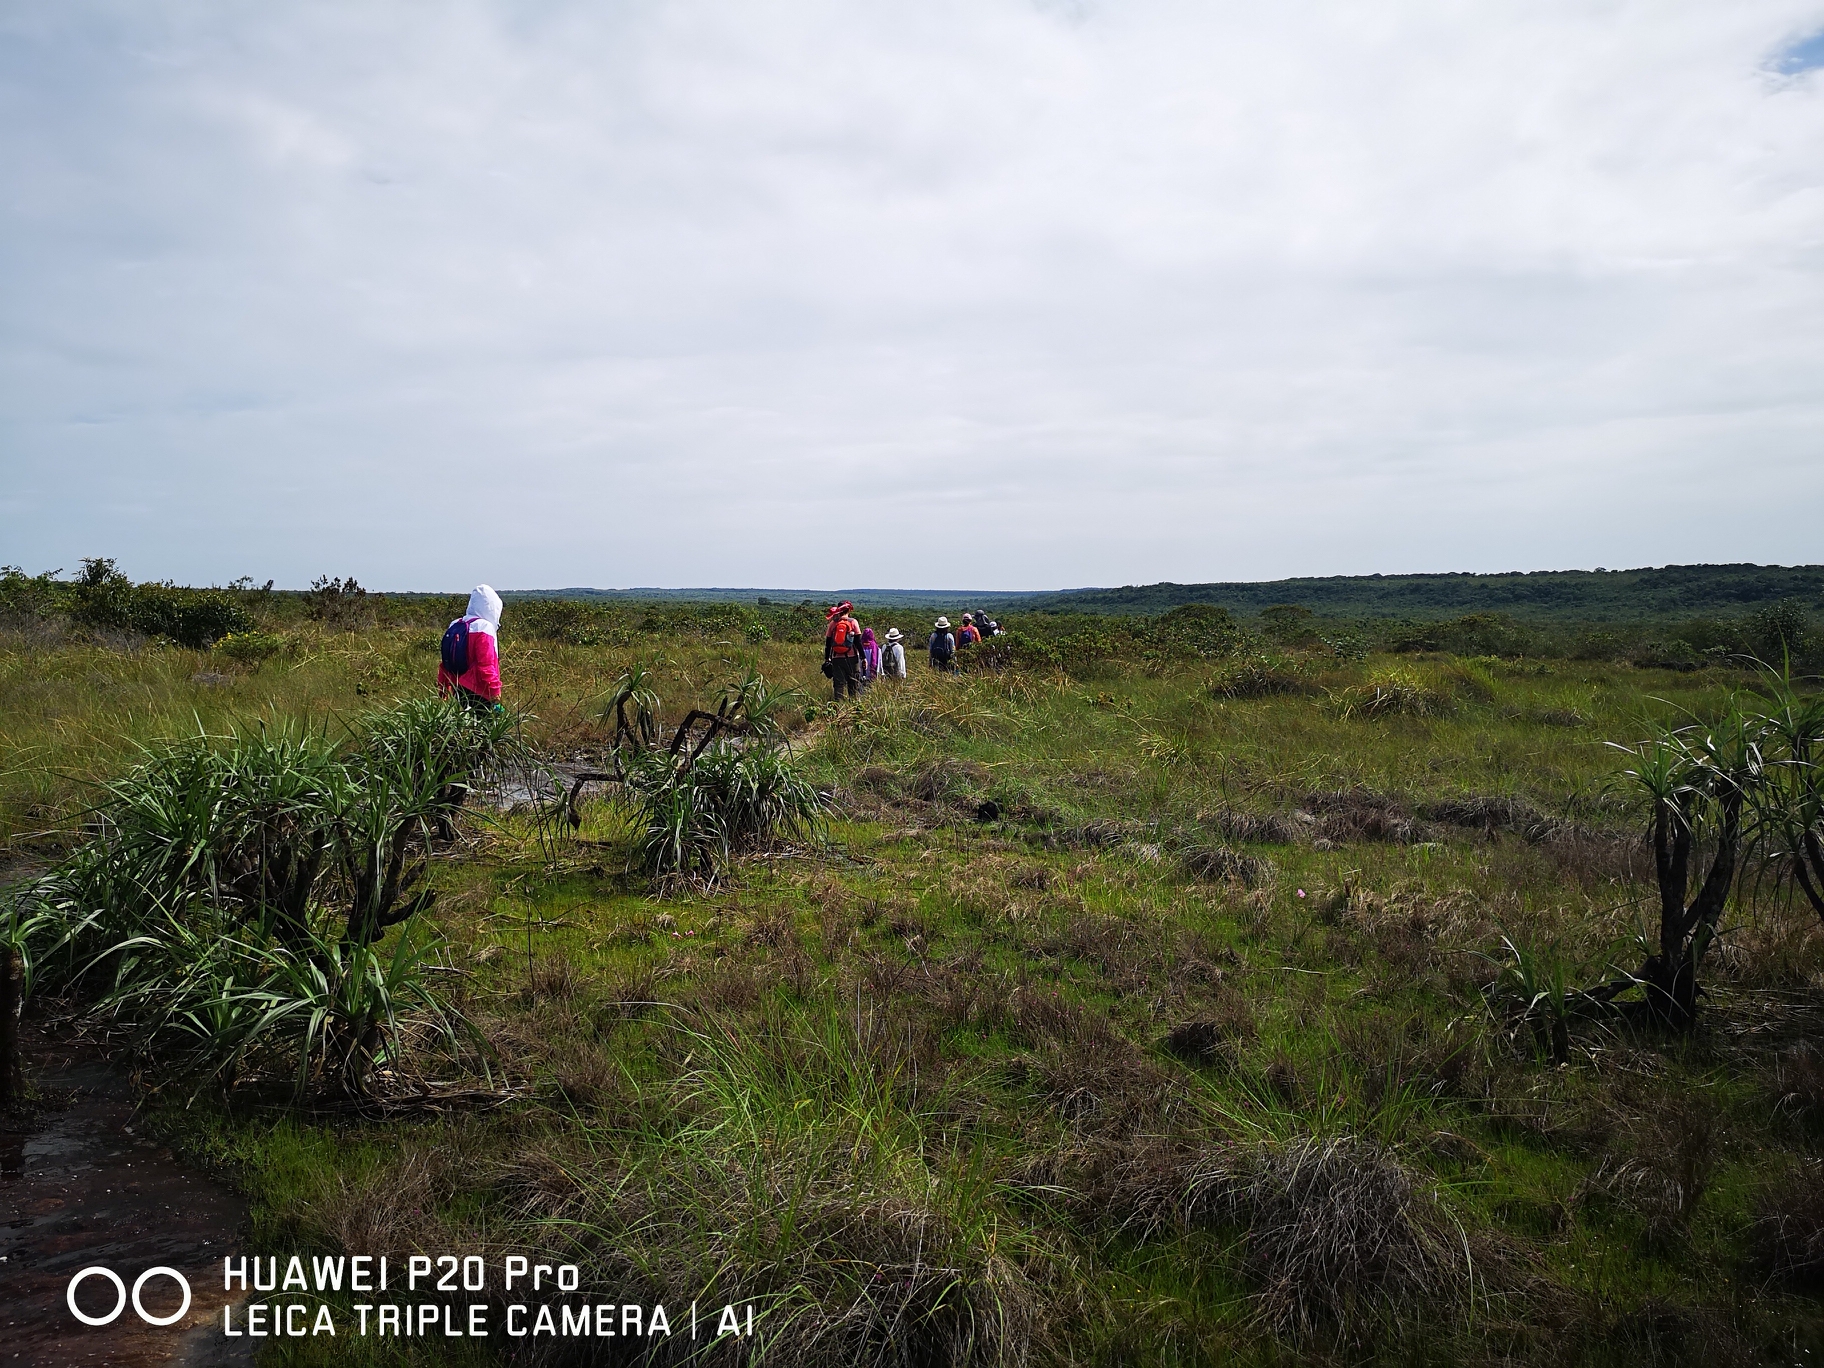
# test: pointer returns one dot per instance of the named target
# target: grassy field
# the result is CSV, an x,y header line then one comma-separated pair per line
x,y
1167,1015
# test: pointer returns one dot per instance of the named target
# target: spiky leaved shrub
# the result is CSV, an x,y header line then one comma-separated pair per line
x,y
234,888
731,799
724,785
677,834
1700,782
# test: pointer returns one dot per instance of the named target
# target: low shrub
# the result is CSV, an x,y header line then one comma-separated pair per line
x,y
1475,634
571,621
1396,693
1259,676
102,597
251,647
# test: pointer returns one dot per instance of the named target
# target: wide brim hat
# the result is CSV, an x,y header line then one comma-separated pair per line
x,y
943,622
892,634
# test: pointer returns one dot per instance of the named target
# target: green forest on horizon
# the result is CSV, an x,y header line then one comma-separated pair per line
x,y
1581,595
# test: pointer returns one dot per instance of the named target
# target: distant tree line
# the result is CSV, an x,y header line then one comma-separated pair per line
x,y
1669,591
100,597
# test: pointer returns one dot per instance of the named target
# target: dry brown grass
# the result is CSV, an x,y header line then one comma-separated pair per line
x,y
1343,1236
1344,1239
1125,954
1344,816
1798,1080
1393,1051
1248,828
770,927
386,1211
1491,814
587,1075
555,977
1787,1238
1222,864
947,779
544,1178
1661,1166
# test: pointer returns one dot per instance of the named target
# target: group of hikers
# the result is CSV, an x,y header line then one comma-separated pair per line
x,y
853,657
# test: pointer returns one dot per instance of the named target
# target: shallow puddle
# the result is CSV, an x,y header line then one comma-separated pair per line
x,y
78,1188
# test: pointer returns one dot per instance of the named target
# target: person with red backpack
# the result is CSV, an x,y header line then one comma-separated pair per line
x,y
470,667
842,650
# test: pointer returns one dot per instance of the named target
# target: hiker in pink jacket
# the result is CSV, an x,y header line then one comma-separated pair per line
x,y
470,667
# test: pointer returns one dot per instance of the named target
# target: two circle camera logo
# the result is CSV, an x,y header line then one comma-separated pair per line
x,y
121,1297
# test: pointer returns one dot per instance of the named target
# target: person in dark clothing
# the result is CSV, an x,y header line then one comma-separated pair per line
x,y
943,646
842,651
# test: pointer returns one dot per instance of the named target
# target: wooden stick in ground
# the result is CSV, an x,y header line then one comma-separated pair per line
x,y
12,1078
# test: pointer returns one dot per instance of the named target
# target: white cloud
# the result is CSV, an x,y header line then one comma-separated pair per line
x,y
970,293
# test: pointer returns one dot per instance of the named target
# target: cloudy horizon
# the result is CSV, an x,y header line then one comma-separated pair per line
x,y
1012,294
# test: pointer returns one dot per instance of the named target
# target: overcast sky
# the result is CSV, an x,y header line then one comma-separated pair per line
x,y
956,293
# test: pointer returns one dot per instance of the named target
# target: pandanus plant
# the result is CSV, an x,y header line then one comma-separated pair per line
x,y
235,887
722,785
1701,781
1789,806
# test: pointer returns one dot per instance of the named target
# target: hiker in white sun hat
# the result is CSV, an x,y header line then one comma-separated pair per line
x,y
943,646
893,656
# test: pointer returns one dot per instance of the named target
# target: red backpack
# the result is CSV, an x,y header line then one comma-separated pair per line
x,y
842,637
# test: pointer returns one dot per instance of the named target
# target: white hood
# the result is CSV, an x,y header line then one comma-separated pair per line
x,y
485,604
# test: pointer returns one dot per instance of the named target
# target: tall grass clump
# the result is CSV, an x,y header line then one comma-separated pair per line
x,y
1346,1241
1395,693
804,1178
1259,676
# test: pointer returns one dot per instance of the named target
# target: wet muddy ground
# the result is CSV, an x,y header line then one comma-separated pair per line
x,y
80,1186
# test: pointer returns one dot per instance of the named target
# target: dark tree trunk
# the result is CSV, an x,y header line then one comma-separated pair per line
x,y
380,890
1808,864
1685,930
